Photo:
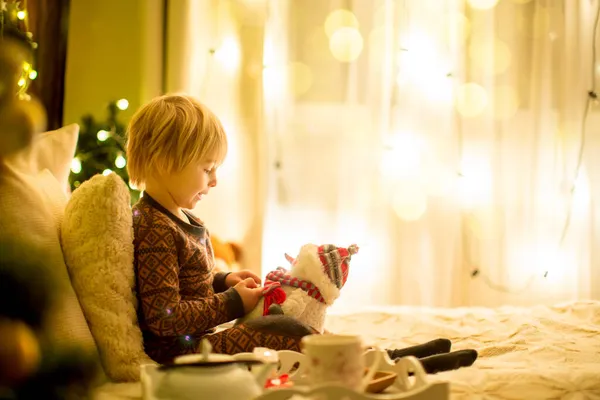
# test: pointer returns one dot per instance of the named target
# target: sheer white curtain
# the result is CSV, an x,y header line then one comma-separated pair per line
x,y
443,138
211,51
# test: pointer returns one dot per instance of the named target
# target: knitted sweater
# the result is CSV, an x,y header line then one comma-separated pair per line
x,y
181,298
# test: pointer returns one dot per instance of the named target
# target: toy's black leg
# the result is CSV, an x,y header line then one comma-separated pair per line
x,y
448,362
437,346
275,309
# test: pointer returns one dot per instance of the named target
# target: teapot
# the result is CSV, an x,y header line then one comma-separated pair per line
x,y
211,376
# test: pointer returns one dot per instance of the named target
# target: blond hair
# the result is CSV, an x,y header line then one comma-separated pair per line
x,y
169,133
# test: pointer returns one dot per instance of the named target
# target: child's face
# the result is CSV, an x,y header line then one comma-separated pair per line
x,y
187,187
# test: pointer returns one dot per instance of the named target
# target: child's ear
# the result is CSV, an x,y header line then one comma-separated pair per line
x,y
290,259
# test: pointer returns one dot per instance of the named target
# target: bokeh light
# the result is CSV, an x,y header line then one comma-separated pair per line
x,y
346,44
506,102
483,4
471,99
338,19
409,200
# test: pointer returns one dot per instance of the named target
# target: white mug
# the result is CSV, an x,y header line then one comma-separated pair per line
x,y
338,359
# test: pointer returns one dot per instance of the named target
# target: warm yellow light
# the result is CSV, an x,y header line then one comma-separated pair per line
x,y
409,201
490,56
272,82
340,19
540,258
379,18
346,44
120,162
21,15
229,54
33,74
300,78
471,100
132,186
315,45
542,22
26,66
21,82
483,4
520,1
102,135
376,44
402,156
424,67
506,102
475,185
254,70
440,179
458,22
122,104
106,172
75,165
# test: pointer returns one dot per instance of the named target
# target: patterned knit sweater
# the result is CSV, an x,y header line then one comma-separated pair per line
x,y
181,298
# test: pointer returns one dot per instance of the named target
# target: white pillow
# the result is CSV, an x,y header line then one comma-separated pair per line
x,y
55,151
97,239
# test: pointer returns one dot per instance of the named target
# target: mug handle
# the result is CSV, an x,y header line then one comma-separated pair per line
x,y
364,383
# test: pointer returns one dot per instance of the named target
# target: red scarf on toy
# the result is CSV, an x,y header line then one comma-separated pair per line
x,y
273,292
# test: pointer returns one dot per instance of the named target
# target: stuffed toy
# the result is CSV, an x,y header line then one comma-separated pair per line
x,y
313,284
227,255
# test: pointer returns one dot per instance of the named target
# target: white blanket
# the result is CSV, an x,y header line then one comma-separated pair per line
x,y
524,353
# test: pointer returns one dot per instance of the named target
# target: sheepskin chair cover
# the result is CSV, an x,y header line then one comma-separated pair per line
x,y
97,239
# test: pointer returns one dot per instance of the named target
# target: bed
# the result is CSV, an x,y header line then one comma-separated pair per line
x,y
524,353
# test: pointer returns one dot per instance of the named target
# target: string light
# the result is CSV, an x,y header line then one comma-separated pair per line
x,y
102,135
122,104
101,149
120,162
14,18
591,98
76,165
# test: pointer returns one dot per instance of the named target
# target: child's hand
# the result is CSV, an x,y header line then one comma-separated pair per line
x,y
235,277
250,293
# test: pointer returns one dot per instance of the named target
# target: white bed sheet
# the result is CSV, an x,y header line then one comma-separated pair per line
x,y
524,353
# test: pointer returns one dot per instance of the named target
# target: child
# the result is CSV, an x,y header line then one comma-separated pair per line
x,y
174,149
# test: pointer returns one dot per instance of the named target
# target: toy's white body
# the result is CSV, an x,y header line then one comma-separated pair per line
x,y
298,304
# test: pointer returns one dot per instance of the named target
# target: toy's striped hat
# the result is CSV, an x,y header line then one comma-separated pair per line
x,y
336,262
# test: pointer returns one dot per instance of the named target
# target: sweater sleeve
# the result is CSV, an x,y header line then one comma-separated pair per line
x,y
164,312
219,281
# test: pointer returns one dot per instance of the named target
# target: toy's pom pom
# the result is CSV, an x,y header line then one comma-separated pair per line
x,y
353,249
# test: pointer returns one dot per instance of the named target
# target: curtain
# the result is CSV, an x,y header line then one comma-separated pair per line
x,y
48,22
454,141
214,52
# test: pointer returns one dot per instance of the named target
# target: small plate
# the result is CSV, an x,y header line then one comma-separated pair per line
x,y
381,381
